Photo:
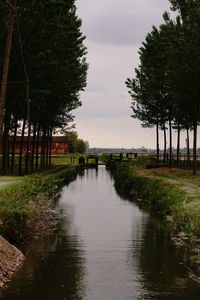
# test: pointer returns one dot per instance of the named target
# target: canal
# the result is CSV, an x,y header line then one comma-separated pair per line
x,y
106,248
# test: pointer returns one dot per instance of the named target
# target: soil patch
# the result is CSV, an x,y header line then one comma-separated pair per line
x,y
11,260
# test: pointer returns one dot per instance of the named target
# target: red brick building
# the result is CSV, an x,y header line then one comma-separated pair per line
x,y
59,145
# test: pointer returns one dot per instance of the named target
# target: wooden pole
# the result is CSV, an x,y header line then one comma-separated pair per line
x,y
4,82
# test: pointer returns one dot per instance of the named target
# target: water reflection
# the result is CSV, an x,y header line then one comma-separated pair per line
x,y
106,248
159,262
54,269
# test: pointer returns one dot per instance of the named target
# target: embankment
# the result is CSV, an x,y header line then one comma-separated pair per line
x,y
163,196
11,259
26,209
176,199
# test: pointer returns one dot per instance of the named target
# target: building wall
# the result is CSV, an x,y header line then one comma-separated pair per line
x,y
59,148
59,145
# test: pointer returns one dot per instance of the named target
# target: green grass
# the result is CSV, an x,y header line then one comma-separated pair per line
x,y
56,160
163,196
71,158
20,202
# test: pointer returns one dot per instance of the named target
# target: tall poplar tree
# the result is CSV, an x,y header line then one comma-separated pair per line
x,y
48,50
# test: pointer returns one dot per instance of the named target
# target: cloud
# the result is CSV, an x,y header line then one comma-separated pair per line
x,y
102,133
124,22
114,31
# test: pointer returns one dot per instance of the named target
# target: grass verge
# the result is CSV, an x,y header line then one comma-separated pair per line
x,y
20,202
163,195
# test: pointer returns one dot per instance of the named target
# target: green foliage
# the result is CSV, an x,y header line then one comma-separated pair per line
x,y
141,161
166,86
187,217
54,55
162,197
81,146
48,51
75,144
19,203
105,158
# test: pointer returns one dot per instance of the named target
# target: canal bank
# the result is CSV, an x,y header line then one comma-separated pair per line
x,y
173,194
27,211
105,247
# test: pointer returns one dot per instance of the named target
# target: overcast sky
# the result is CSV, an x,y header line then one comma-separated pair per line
x,y
114,31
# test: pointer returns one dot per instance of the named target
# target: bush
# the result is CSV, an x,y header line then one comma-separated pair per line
x,y
19,202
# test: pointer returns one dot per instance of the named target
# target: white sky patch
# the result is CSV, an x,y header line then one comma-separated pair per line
x,y
115,30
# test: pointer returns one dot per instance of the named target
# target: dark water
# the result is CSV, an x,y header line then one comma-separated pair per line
x,y
106,249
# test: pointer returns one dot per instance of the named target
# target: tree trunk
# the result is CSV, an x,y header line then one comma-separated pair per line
x,y
157,140
33,148
13,147
170,143
6,65
5,160
188,145
37,148
21,148
47,149
42,151
50,147
28,151
195,150
165,143
178,145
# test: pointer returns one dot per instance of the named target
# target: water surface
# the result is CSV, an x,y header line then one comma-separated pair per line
x,y
106,248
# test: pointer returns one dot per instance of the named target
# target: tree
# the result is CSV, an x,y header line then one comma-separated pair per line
x,y
190,70
72,139
167,83
82,146
49,50
75,144
148,89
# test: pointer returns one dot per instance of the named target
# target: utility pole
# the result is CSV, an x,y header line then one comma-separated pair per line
x,y
4,83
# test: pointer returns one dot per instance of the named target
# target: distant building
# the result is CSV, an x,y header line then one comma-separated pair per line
x,y
59,145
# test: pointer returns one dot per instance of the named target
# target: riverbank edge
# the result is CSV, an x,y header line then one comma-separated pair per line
x,y
166,199
23,206
11,260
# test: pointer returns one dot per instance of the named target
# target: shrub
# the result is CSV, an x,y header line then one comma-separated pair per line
x,y
19,202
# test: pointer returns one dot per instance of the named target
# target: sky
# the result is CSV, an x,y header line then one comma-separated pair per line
x,y
114,31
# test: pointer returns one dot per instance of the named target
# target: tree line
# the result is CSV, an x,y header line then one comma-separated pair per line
x,y
166,86
47,71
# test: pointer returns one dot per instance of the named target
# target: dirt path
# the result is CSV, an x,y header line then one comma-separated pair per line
x,y
186,186
7,180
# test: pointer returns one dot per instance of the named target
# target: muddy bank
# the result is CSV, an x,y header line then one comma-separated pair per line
x,y
11,260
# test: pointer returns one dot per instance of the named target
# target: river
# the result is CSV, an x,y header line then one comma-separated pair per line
x,y
106,248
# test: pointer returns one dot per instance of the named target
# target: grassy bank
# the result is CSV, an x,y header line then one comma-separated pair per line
x,y
21,202
71,158
168,192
